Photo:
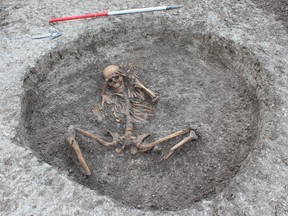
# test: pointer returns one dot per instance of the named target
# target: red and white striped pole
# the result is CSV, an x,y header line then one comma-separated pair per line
x,y
121,12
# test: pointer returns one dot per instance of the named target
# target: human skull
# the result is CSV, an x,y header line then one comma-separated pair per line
x,y
114,78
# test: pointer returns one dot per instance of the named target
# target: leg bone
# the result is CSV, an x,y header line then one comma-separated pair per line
x,y
192,136
147,147
98,139
74,144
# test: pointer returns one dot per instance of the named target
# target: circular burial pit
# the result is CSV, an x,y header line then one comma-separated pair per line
x,y
202,81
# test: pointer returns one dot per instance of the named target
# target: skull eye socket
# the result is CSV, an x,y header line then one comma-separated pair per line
x,y
113,79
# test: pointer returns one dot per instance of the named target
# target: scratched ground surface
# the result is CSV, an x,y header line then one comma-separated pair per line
x,y
218,66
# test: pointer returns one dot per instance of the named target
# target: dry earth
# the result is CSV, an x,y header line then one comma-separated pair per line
x,y
219,66
279,8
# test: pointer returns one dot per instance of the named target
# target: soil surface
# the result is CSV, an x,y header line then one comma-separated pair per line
x,y
278,7
196,88
219,67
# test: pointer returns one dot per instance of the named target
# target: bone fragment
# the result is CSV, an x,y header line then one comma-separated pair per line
x,y
192,136
151,94
147,147
92,136
74,144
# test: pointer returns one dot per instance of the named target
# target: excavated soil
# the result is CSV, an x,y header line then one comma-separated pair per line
x,y
200,80
277,7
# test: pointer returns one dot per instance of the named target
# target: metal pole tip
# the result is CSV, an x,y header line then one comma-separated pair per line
x,y
172,7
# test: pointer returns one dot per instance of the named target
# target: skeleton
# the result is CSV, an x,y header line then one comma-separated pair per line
x,y
127,94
